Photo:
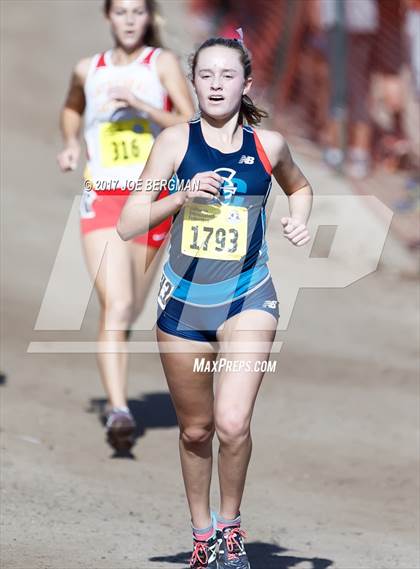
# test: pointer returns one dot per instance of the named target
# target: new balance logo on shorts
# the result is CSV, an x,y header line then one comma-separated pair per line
x,y
270,304
244,159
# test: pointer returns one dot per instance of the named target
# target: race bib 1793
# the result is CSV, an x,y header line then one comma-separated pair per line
x,y
215,232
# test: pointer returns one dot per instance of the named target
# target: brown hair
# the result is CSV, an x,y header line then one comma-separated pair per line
x,y
153,30
248,111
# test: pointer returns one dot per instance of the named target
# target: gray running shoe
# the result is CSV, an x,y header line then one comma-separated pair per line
x,y
120,430
204,554
232,554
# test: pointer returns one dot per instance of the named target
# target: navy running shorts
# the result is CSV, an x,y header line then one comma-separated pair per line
x,y
200,323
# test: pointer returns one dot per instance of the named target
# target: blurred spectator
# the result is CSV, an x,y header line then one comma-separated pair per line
x,y
311,89
410,200
392,147
412,27
351,39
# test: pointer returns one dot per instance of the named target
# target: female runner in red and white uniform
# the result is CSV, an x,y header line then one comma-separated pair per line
x,y
125,95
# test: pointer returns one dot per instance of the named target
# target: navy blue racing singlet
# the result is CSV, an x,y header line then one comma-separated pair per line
x,y
218,251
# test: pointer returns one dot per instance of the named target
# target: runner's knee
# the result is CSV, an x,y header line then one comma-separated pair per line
x,y
197,435
232,428
119,312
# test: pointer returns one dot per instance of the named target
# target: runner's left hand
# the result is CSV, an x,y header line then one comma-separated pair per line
x,y
123,96
295,231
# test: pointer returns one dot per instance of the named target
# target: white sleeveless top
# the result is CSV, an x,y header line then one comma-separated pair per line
x,y
119,140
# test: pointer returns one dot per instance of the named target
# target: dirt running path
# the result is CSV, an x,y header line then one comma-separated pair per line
x,y
334,476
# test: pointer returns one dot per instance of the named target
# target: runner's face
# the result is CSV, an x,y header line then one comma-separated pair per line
x,y
219,81
129,20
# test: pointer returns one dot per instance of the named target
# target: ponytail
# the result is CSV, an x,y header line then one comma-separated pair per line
x,y
250,112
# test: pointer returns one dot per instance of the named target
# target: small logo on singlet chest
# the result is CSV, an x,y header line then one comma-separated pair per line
x,y
244,159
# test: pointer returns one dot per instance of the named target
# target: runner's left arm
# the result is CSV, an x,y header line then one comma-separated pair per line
x,y
297,188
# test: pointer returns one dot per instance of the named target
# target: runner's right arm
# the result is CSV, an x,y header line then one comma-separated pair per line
x,y
141,211
71,117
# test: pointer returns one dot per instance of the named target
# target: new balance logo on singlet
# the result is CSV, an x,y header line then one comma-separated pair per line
x,y
244,159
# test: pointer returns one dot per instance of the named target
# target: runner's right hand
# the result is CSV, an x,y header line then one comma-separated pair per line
x,y
204,185
69,157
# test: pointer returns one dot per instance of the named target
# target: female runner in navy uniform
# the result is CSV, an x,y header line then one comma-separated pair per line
x,y
216,285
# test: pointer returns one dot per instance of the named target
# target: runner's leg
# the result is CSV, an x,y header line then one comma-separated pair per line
x,y
192,395
113,283
235,396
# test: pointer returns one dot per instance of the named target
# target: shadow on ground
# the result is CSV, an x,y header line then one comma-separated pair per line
x,y
261,556
151,411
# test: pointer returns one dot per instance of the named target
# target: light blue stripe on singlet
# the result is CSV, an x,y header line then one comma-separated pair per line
x,y
264,222
215,293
